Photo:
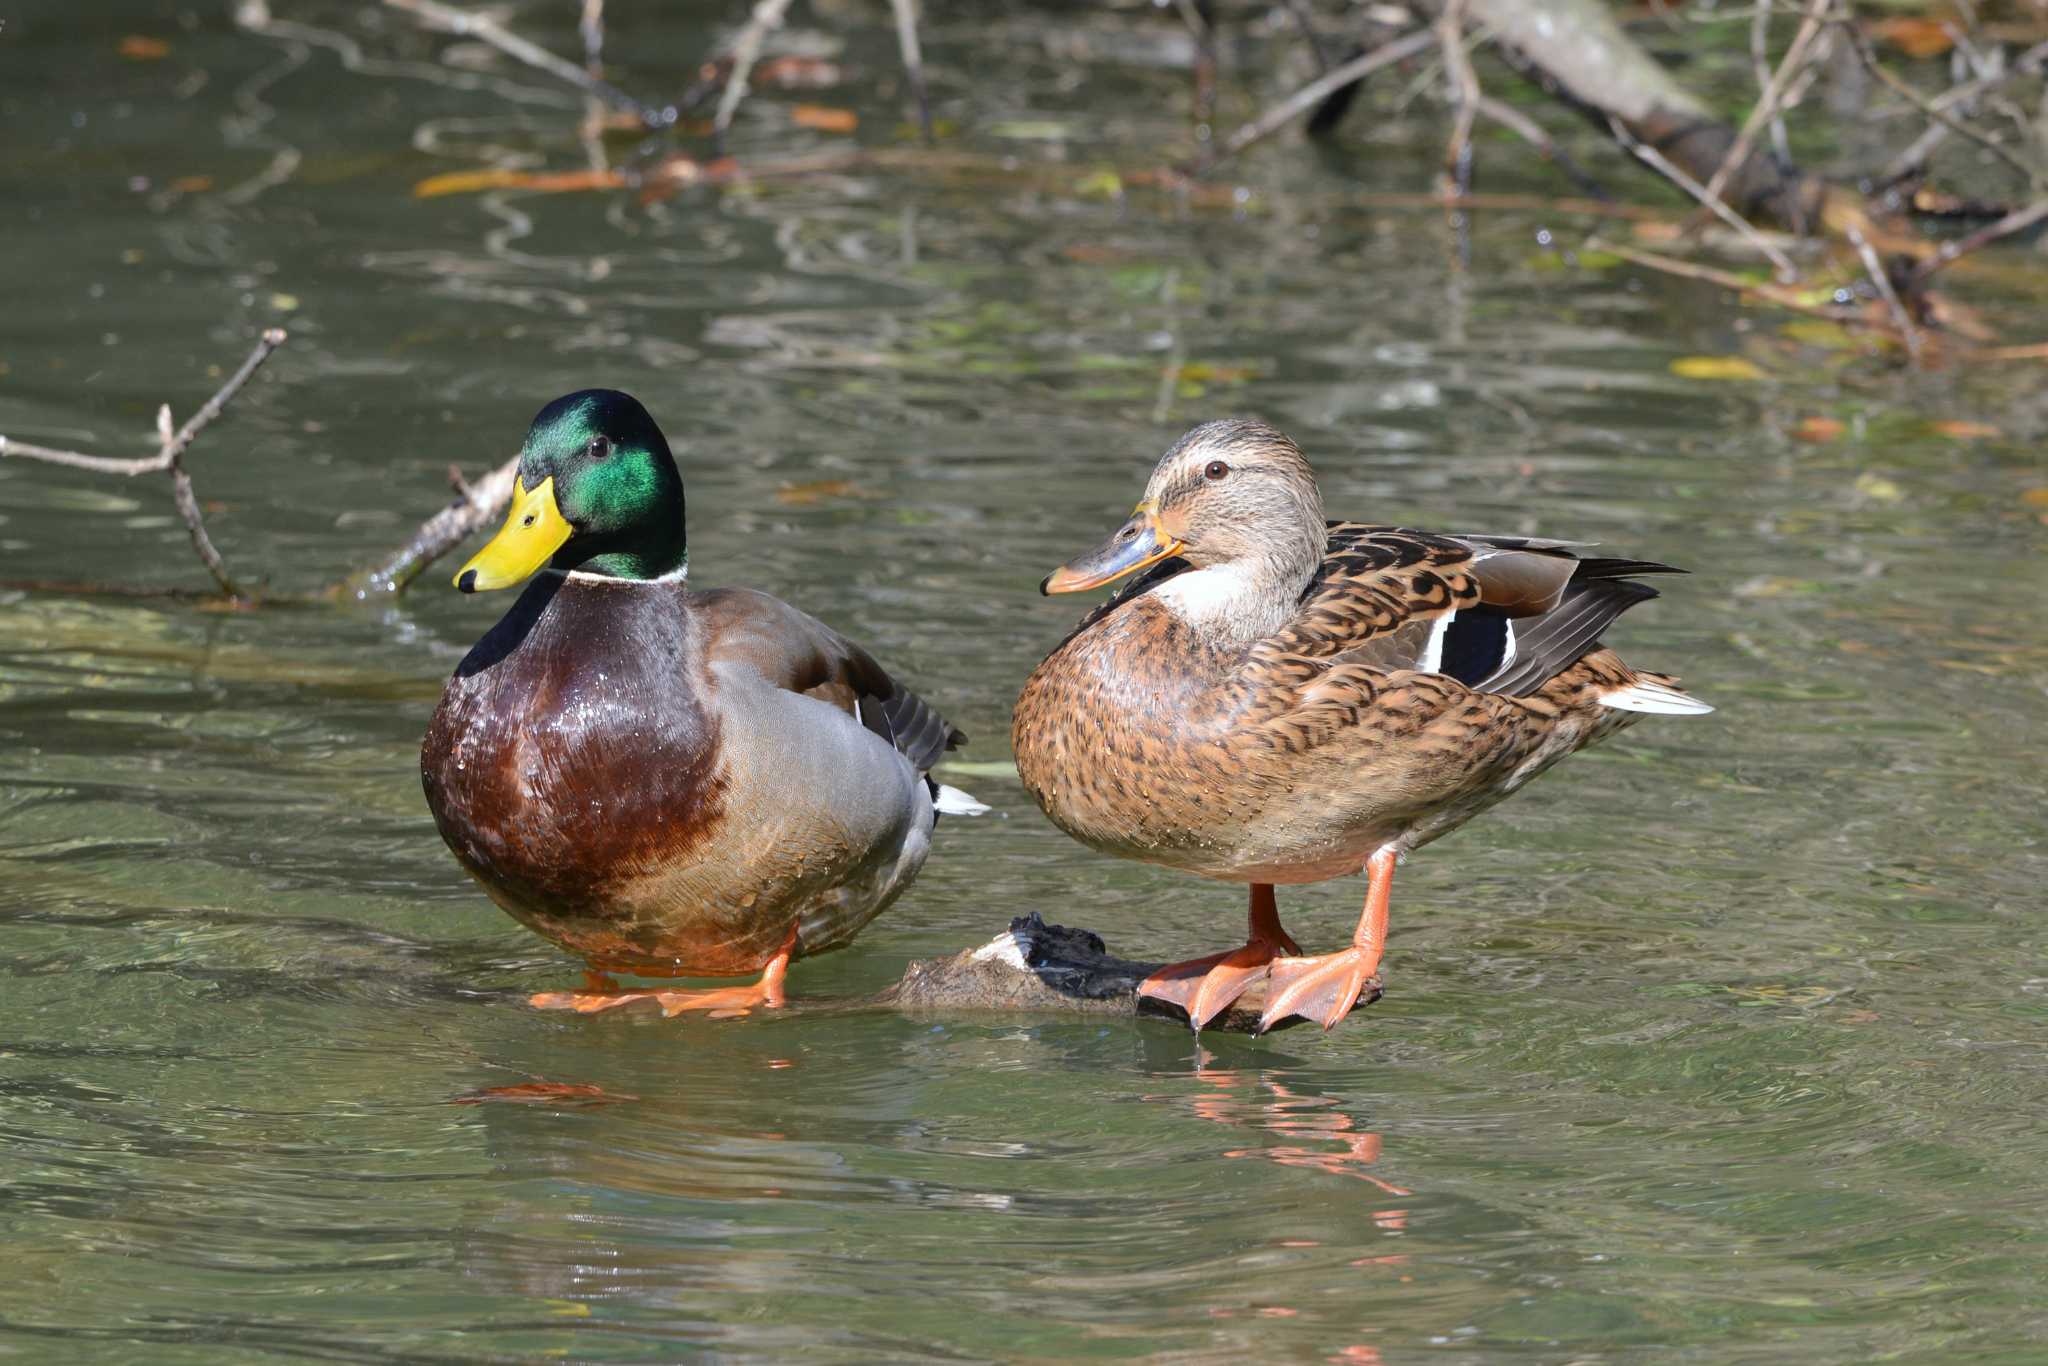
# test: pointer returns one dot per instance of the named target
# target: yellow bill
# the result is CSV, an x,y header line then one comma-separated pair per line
x,y
534,530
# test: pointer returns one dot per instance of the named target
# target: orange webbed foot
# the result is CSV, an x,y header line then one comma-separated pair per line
x,y
721,1003
1205,987
1323,988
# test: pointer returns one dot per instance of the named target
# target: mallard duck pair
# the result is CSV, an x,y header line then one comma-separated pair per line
x,y
679,783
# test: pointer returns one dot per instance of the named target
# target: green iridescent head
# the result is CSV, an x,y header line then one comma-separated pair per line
x,y
598,491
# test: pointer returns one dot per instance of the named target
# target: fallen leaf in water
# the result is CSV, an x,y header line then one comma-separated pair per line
x,y
1878,488
2033,498
817,491
543,1093
797,73
1103,184
1819,430
1716,367
137,48
1208,372
1966,431
672,174
1913,36
1819,332
469,182
824,118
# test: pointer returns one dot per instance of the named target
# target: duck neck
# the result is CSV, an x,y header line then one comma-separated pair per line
x,y
1238,602
654,547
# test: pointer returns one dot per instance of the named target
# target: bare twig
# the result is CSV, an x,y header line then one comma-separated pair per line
x,y
1900,317
475,507
1677,176
591,28
1759,58
746,50
1915,155
1692,270
2019,220
170,456
1934,110
913,61
484,29
1301,101
1767,104
1305,19
1450,36
1526,128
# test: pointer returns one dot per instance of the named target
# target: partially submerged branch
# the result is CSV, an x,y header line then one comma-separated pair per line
x,y
1575,49
1037,968
170,457
475,507
1316,91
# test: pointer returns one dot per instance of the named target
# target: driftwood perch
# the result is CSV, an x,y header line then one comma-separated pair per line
x,y
1042,969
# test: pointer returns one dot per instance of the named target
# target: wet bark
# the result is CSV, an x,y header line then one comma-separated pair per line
x,y
1577,52
1041,969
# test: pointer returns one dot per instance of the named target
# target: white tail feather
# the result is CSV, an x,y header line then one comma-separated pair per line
x,y
951,801
1655,698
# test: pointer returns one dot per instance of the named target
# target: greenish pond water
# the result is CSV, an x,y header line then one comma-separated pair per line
x,y
1725,1042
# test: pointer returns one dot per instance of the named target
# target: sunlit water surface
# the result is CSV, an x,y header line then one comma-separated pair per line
x,y
1724,1042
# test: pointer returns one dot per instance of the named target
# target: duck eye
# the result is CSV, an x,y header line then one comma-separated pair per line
x,y
599,447
1216,470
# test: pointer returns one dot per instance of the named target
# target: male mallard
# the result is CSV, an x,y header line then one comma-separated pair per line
x,y
669,783
1284,699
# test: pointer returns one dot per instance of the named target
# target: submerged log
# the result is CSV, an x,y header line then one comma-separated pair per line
x,y
1576,50
1036,968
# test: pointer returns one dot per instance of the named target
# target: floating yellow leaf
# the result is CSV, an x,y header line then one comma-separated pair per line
x,y
1715,367
824,118
498,178
1210,372
192,184
817,491
1819,430
1878,488
2033,498
1818,332
1965,431
136,48
1104,184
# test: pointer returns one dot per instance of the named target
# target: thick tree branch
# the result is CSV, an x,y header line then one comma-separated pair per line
x,y
1575,49
1037,968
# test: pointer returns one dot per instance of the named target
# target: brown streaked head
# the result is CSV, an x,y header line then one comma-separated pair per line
x,y
1231,492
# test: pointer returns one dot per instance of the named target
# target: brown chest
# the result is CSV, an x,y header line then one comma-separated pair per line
x,y
569,757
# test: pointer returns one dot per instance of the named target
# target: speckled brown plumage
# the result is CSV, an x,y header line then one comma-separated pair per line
x,y
1285,698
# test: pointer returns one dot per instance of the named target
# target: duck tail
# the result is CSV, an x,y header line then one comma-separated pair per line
x,y
951,801
1655,694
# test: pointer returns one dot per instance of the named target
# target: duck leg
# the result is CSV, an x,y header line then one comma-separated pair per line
x,y
1323,988
1204,986
721,1002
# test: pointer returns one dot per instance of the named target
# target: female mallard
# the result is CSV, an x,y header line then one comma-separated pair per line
x,y
669,783
1284,699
